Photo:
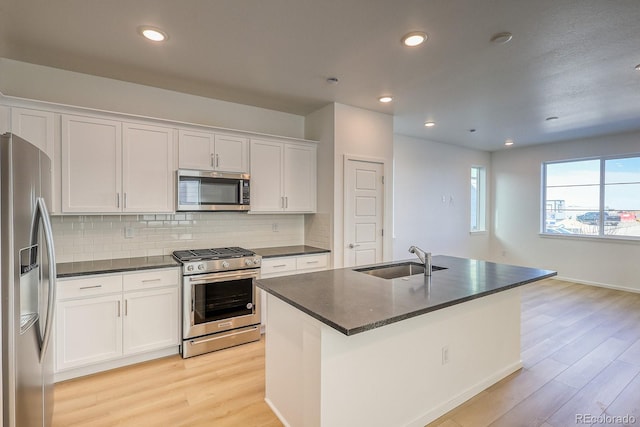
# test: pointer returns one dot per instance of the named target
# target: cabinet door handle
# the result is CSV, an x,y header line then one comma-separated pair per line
x,y
117,200
125,307
213,164
118,308
125,200
286,202
217,160
282,202
90,287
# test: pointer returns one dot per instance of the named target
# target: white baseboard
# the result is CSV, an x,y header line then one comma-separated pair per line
x,y
117,363
598,284
275,411
467,394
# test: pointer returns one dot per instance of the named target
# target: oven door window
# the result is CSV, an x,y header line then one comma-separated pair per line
x,y
209,191
222,300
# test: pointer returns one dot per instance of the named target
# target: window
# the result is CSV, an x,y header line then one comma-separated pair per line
x,y
592,197
478,198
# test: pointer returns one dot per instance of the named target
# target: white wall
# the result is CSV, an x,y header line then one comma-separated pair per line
x,y
516,183
369,134
319,126
424,173
23,80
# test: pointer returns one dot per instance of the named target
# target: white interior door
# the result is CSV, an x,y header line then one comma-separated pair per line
x,y
363,212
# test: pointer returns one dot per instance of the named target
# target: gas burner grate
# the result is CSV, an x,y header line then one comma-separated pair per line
x,y
210,254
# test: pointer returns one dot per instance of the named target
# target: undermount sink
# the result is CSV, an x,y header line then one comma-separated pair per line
x,y
393,271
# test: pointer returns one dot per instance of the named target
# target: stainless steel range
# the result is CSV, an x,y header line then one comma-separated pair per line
x,y
220,305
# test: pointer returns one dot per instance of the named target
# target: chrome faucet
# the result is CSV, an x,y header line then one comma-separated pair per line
x,y
425,257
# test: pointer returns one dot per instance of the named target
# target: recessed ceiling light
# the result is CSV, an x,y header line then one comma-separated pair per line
x,y
153,34
414,38
385,99
429,124
501,38
549,119
508,142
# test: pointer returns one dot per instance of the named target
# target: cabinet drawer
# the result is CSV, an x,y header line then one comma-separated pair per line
x,y
311,262
278,265
151,279
86,287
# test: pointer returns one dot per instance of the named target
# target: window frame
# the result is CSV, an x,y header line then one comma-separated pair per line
x,y
601,200
480,202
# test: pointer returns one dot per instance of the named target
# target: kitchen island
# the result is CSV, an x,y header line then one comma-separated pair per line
x,y
345,348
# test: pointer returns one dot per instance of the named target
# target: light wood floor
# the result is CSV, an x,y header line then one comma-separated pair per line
x,y
580,350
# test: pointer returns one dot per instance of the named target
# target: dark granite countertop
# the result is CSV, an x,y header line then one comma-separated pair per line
x,y
83,268
353,302
279,251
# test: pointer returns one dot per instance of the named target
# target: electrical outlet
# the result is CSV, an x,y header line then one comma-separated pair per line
x,y
275,227
128,232
445,354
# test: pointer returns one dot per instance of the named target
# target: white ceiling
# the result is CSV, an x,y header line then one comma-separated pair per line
x,y
573,59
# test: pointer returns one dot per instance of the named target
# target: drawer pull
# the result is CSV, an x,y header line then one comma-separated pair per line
x,y
151,280
279,265
313,262
90,287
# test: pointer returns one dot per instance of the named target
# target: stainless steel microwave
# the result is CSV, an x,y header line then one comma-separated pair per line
x,y
212,191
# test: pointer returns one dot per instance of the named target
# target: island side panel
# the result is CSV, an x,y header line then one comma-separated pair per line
x,y
392,375
292,364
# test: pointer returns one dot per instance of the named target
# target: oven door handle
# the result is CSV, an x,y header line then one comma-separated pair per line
x,y
220,277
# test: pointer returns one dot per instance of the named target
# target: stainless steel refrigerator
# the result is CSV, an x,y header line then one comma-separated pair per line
x,y
27,272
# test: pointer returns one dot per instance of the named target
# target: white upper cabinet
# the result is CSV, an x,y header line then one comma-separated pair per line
x,y
103,172
215,152
266,176
35,126
147,169
300,177
283,177
5,119
91,165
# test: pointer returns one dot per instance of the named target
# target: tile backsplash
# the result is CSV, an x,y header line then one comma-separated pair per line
x,y
317,230
94,237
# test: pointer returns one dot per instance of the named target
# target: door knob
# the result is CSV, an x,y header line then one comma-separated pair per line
x,y
351,246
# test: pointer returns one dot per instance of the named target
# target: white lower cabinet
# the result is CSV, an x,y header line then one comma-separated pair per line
x,y
88,331
107,321
150,320
286,266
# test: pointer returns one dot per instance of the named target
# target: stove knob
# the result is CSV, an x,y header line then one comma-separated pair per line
x,y
225,264
189,267
256,261
248,262
200,266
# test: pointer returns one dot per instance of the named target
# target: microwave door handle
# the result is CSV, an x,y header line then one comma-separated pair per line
x,y
240,192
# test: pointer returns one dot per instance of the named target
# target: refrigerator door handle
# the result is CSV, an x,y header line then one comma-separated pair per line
x,y
43,214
